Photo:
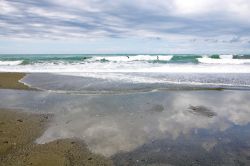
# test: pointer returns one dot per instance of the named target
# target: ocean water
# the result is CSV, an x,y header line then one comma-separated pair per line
x,y
131,73
127,63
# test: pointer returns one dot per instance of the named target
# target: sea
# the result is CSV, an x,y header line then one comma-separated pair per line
x,y
116,73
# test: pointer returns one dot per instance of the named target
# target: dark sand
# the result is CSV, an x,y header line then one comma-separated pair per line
x,y
19,130
11,81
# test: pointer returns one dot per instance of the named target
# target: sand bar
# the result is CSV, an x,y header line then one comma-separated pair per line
x,y
11,81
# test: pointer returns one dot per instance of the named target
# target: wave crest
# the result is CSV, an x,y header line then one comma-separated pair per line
x,y
10,63
132,58
226,60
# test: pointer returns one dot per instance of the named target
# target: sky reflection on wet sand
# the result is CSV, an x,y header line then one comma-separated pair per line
x,y
113,124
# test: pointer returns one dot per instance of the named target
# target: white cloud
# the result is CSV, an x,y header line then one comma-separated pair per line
x,y
171,20
52,14
7,8
193,7
86,5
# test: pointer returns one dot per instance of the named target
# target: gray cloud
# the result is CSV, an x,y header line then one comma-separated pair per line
x,y
171,20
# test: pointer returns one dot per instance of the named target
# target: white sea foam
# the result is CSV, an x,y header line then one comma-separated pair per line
x,y
132,58
225,60
226,56
125,77
10,63
134,67
131,64
110,58
165,58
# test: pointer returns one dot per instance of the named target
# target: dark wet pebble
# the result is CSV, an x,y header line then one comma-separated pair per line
x,y
202,110
20,120
157,108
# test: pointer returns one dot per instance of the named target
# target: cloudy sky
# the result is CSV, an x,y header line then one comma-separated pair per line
x,y
124,26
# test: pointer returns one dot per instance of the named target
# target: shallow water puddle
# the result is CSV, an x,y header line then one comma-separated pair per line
x,y
154,127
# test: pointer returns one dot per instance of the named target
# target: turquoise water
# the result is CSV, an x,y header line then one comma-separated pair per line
x,y
122,72
176,58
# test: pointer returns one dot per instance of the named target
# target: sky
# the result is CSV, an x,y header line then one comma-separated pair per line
x,y
124,26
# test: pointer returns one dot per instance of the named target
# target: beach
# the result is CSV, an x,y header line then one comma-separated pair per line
x,y
120,83
11,81
19,130
114,118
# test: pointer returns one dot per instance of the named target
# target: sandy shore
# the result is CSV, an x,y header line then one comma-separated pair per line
x,y
11,81
19,130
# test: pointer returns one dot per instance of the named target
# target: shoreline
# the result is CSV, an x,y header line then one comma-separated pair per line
x,y
12,81
189,111
20,129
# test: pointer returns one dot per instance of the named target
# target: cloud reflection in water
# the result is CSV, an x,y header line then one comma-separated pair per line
x,y
110,124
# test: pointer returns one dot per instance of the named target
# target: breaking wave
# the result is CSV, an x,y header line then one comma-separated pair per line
x,y
126,63
10,63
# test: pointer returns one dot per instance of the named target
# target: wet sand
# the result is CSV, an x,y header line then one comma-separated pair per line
x,y
19,130
156,128
11,81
